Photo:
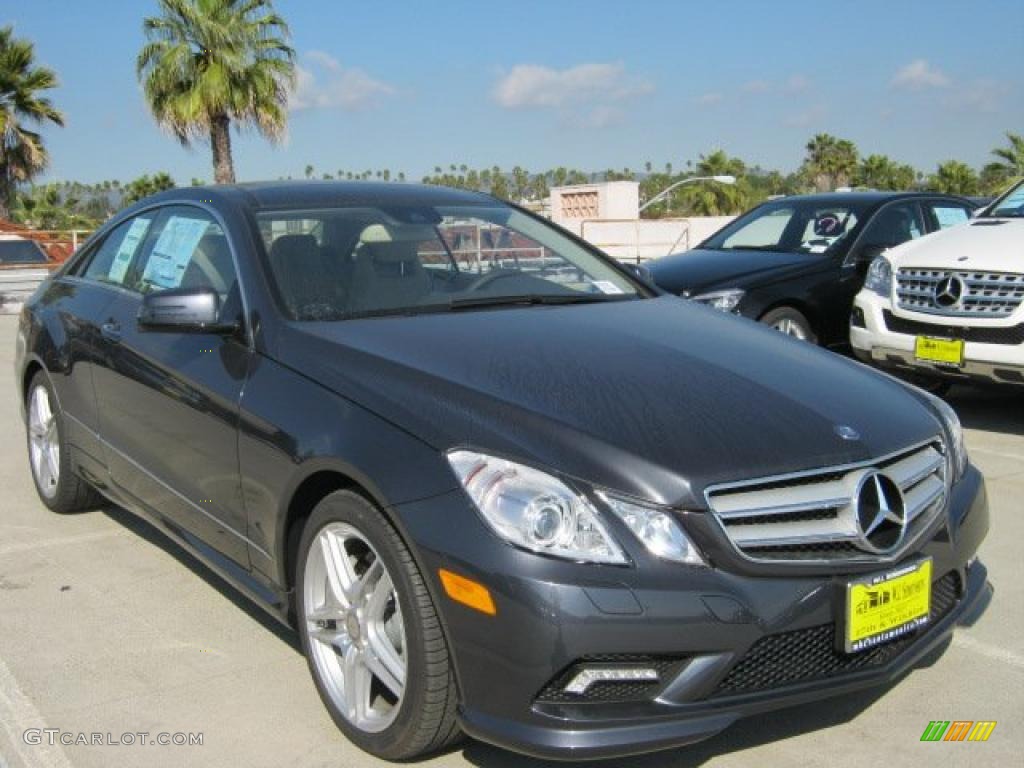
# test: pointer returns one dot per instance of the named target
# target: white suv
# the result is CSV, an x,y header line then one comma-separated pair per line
x,y
950,305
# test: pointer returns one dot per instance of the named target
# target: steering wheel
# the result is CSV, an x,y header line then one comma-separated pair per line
x,y
484,280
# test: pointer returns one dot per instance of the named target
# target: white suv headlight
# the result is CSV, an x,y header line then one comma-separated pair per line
x,y
534,510
726,301
656,529
879,277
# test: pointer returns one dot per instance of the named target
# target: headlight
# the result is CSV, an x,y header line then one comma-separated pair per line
x,y
534,510
879,277
957,448
726,301
657,531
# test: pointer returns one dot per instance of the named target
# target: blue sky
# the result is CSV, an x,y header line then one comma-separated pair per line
x,y
409,85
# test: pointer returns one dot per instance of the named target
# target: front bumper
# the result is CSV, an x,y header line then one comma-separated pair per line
x,y
704,624
873,342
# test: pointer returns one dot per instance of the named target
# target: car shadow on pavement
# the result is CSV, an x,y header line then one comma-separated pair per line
x,y
993,409
154,536
745,734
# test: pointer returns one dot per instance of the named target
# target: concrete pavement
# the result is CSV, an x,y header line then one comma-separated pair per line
x,y
107,627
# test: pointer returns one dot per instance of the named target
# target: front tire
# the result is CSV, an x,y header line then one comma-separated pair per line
x,y
371,634
49,455
791,322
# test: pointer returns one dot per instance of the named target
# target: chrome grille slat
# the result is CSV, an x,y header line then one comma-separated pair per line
x,y
783,501
915,468
923,495
986,294
745,511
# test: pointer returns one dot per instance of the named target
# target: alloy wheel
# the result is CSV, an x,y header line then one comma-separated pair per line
x,y
353,621
44,442
790,327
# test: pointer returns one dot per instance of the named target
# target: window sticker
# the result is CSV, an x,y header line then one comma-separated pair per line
x,y
607,286
126,251
173,251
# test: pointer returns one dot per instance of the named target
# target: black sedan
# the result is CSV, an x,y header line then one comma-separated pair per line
x,y
496,484
796,263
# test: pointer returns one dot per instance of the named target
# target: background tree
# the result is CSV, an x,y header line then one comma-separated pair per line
x,y
882,172
1010,166
830,162
22,110
954,178
146,185
210,62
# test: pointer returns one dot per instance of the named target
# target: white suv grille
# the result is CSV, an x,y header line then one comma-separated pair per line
x,y
981,294
812,516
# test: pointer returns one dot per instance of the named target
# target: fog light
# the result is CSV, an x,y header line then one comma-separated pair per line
x,y
589,677
857,318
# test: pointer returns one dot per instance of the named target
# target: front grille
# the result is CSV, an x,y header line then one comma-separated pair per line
x,y
810,654
812,516
1013,334
984,294
608,691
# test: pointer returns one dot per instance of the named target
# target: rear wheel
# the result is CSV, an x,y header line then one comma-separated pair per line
x,y
49,455
371,633
791,322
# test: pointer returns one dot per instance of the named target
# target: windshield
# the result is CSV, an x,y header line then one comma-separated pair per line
x,y
340,263
1010,205
789,226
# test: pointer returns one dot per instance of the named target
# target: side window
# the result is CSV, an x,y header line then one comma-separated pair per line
x,y
893,225
110,262
190,250
946,215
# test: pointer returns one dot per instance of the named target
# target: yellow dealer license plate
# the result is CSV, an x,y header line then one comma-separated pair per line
x,y
944,351
885,606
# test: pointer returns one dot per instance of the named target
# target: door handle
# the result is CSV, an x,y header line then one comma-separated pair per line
x,y
111,331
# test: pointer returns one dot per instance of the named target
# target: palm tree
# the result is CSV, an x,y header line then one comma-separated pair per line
x,y
881,172
1012,156
954,178
830,162
210,62
22,153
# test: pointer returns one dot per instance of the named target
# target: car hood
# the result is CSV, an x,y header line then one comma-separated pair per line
x,y
995,245
655,398
702,270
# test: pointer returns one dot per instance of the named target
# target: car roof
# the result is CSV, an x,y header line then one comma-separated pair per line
x,y
866,196
321,194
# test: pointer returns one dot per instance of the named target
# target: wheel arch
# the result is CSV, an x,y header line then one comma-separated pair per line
x,y
804,308
315,486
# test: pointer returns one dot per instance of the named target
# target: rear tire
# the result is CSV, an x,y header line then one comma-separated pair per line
x,y
49,455
368,627
791,322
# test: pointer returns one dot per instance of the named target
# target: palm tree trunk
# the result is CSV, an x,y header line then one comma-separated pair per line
x,y
6,195
220,143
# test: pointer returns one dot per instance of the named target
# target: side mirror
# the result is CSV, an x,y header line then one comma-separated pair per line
x,y
640,271
185,310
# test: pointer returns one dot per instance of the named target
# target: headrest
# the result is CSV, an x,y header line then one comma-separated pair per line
x,y
402,233
294,248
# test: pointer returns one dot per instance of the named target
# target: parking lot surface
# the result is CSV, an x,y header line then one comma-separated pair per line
x,y
106,627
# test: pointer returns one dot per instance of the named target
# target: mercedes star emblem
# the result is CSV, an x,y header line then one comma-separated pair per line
x,y
949,291
880,512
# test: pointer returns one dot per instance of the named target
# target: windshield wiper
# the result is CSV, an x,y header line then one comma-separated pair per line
x,y
527,299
